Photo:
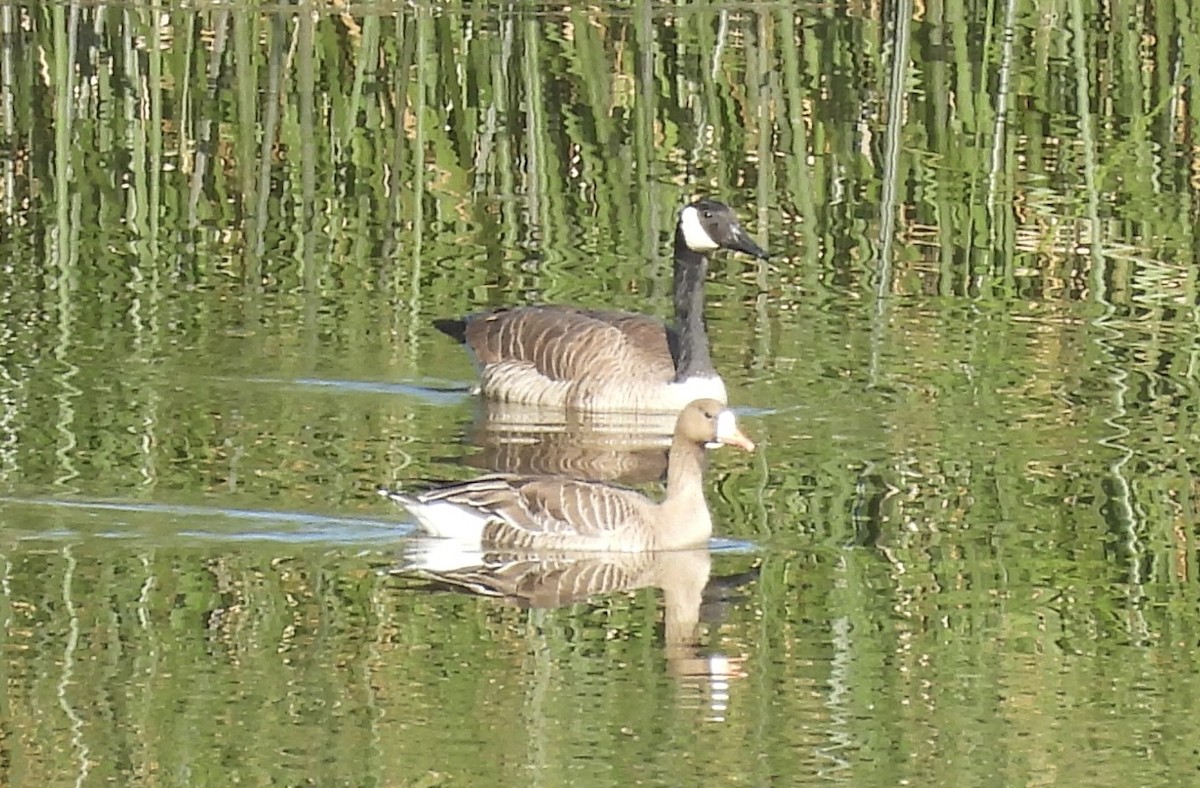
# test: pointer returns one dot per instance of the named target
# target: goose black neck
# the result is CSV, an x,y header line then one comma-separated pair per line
x,y
691,269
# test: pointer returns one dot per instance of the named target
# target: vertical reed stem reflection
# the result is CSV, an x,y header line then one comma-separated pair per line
x,y
897,99
64,236
66,676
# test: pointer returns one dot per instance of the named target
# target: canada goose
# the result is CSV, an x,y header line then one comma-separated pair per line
x,y
597,360
504,511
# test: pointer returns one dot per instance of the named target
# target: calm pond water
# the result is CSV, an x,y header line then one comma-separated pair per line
x,y
962,555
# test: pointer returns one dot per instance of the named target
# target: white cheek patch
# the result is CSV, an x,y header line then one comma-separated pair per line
x,y
694,234
726,425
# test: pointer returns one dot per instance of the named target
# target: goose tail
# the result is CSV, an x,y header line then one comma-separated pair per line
x,y
453,327
397,496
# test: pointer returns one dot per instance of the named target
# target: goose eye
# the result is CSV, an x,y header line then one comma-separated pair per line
x,y
708,214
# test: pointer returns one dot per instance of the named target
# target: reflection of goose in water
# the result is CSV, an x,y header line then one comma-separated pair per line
x,y
530,441
570,454
621,429
597,360
560,513
547,581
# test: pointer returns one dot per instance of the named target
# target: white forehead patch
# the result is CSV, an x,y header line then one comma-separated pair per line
x,y
694,234
726,425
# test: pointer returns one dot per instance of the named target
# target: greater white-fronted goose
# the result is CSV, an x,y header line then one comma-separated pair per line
x,y
596,360
504,511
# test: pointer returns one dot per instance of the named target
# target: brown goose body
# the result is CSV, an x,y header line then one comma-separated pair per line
x,y
556,513
565,356
589,359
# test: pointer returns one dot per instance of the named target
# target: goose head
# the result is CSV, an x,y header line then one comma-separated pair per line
x,y
707,225
708,423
